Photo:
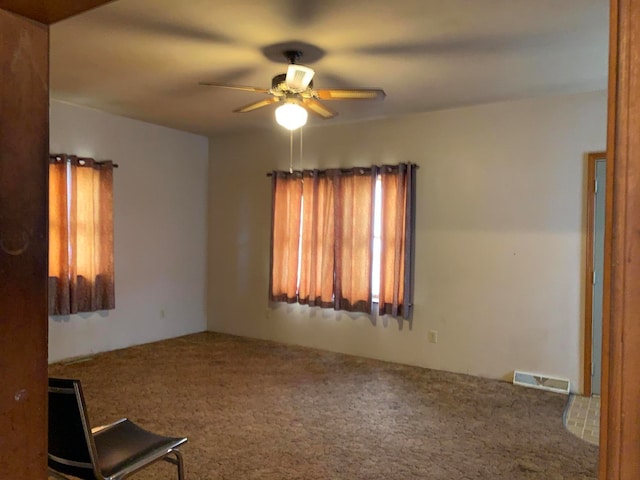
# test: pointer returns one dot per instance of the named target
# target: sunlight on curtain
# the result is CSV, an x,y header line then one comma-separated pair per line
x,y
285,238
81,270
353,238
318,240
59,266
337,233
397,228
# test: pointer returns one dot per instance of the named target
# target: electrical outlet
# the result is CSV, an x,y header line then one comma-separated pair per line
x,y
432,336
162,313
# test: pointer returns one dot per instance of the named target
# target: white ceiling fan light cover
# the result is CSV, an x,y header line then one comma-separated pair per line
x,y
291,115
299,77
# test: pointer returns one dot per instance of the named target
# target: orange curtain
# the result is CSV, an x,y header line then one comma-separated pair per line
x,y
59,264
398,221
81,269
285,236
354,203
318,241
322,238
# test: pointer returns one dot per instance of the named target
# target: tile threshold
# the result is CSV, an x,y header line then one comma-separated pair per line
x,y
582,418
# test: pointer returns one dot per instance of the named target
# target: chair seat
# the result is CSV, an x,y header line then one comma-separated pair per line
x,y
124,446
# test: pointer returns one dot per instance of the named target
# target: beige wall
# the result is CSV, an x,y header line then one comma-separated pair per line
x,y
160,231
500,235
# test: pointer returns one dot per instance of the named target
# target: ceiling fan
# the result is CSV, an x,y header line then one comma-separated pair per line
x,y
295,90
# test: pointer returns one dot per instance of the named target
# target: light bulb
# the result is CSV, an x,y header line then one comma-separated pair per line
x,y
291,115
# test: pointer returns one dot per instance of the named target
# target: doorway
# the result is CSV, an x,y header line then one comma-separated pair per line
x,y
596,184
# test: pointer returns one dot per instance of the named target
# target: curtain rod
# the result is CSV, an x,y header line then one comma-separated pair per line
x,y
58,155
344,170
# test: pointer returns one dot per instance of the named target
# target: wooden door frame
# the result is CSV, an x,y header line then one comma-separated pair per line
x,y
620,407
592,158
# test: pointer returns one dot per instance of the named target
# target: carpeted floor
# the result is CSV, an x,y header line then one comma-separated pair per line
x,y
261,410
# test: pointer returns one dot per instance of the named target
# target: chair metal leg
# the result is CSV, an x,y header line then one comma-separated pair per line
x,y
177,462
53,473
180,465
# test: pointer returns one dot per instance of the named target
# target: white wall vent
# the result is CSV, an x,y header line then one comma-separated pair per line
x,y
543,382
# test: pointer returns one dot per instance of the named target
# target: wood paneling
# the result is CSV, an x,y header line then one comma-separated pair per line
x,y
24,139
620,420
50,11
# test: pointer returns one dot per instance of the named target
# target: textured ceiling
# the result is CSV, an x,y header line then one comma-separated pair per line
x,y
144,58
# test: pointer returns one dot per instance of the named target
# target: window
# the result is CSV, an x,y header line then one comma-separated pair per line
x,y
377,240
343,239
81,276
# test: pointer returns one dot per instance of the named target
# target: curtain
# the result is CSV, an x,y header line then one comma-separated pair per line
x,y
397,233
81,269
285,237
323,234
318,241
354,190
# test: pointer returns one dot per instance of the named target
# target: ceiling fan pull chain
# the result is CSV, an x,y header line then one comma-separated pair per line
x,y
290,151
301,169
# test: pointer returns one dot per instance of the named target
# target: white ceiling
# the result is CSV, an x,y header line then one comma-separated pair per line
x,y
144,58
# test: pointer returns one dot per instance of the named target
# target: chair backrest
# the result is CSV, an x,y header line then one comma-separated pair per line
x,y
71,447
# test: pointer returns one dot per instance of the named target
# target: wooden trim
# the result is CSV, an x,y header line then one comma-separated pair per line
x,y
49,11
24,143
592,158
620,419
608,444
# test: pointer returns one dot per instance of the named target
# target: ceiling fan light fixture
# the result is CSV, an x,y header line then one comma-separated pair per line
x,y
291,116
295,92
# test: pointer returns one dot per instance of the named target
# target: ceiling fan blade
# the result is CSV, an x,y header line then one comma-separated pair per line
x,y
298,76
318,108
255,105
350,94
235,87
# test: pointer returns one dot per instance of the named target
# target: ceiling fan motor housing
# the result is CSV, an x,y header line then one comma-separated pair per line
x,y
282,79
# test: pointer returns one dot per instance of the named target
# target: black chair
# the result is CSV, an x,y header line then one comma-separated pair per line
x,y
112,452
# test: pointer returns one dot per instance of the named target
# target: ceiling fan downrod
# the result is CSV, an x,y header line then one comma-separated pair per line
x,y
292,55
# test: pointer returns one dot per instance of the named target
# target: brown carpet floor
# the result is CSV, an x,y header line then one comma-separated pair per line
x,y
262,410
